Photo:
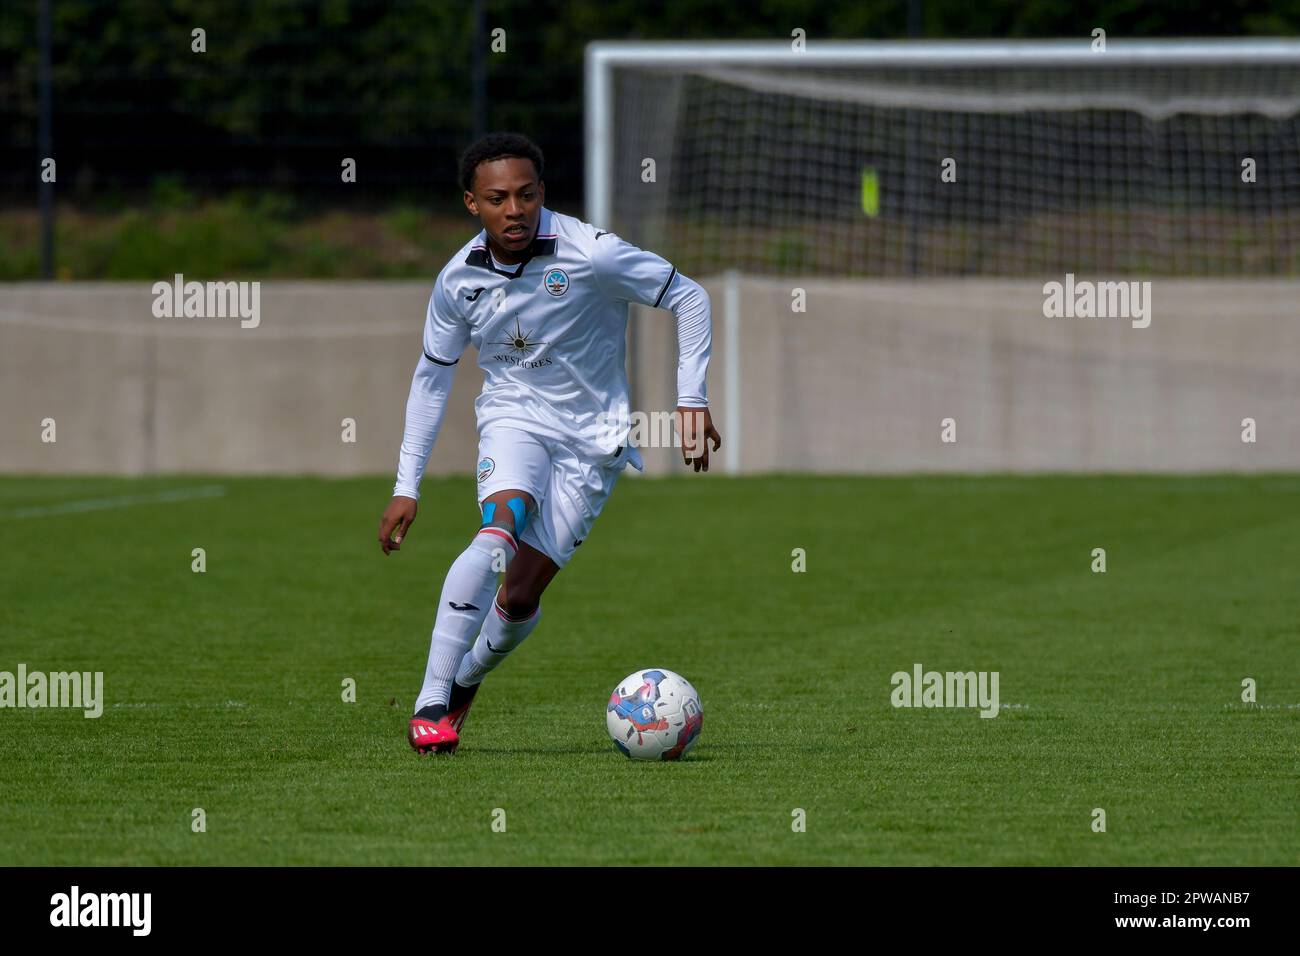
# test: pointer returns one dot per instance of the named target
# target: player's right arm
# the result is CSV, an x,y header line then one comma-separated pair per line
x,y
446,334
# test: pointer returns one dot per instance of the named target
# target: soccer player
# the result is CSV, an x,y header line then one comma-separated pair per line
x,y
544,299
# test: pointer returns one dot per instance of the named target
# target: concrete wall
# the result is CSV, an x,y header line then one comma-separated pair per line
x,y
133,394
862,380
859,382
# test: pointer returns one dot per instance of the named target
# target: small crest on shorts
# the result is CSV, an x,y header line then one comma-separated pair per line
x,y
556,281
485,467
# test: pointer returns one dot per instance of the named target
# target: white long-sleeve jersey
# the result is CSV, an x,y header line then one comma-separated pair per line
x,y
551,339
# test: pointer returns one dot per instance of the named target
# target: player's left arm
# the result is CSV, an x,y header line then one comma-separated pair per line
x,y
689,303
635,275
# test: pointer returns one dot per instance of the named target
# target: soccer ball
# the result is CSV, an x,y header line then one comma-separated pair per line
x,y
654,715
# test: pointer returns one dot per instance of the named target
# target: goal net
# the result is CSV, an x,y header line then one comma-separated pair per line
x,y
951,159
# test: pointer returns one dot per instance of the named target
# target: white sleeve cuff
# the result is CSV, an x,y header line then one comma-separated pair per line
x,y
425,406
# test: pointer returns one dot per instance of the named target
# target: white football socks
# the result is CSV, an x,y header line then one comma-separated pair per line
x,y
500,636
467,596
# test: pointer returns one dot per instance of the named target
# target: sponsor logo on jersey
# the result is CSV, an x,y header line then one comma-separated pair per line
x,y
521,344
556,281
485,468
524,363
477,292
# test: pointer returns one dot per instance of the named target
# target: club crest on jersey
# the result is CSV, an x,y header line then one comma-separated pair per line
x,y
485,468
556,281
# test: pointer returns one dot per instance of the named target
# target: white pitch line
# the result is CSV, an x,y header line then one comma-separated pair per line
x,y
186,705
120,501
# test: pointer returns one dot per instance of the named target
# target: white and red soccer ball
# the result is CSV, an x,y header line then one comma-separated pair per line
x,y
654,714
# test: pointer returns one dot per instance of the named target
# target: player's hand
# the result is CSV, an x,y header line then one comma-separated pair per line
x,y
397,520
695,425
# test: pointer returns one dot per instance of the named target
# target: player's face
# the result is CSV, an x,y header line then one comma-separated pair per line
x,y
507,198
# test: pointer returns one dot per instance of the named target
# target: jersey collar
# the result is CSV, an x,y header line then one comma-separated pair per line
x,y
543,244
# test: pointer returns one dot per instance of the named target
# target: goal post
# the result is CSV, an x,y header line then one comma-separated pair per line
x,y
829,160
892,161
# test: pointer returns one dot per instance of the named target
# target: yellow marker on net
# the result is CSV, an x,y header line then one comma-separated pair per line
x,y
870,191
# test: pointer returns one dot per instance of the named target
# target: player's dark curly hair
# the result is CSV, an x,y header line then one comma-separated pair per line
x,y
498,146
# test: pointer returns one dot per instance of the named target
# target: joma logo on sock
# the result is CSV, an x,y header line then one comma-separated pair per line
x,y
208,300
1100,300
102,909
953,689
56,689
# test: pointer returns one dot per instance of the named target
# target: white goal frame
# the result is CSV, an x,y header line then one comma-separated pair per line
x,y
603,57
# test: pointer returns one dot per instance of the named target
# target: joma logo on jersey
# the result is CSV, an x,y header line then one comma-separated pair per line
x,y
556,281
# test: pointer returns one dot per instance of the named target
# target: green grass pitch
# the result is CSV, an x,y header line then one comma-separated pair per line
x,y
1120,691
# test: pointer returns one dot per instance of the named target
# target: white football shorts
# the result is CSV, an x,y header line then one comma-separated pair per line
x,y
569,489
